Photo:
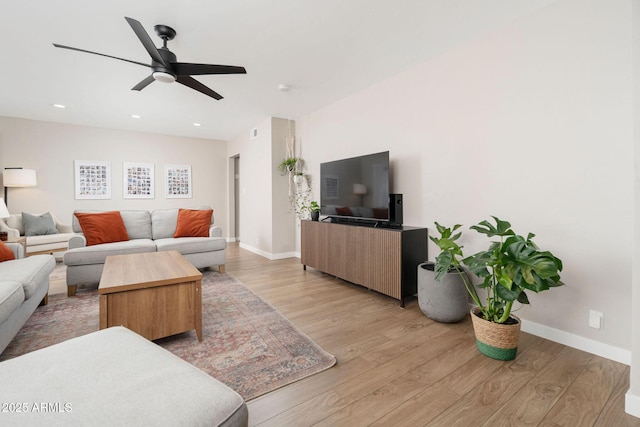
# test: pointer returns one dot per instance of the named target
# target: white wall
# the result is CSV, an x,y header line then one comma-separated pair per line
x,y
531,123
632,403
267,224
51,148
283,220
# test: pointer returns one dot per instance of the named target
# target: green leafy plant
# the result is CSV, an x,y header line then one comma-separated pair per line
x,y
449,259
450,251
290,165
299,184
313,206
509,267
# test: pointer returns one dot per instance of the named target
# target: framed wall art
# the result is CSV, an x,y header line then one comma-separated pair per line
x,y
138,181
93,179
330,187
177,181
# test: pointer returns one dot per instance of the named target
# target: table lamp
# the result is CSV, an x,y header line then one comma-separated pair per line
x,y
360,190
4,213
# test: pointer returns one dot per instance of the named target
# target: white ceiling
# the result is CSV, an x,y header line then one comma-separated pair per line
x,y
324,49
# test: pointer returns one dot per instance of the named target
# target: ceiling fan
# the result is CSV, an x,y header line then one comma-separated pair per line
x,y
164,67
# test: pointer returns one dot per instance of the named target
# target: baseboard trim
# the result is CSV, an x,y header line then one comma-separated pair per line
x,y
268,255
632,404
616,354
283,255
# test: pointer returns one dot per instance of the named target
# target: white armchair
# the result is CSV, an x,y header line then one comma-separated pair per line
x,y
42,244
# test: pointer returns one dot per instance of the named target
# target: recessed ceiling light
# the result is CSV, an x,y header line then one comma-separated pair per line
x,y
59,106
284,87
197,124
136,116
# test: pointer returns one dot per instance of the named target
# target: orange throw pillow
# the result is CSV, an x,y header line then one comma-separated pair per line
x,y
381,213
344,211
103,227
193,223
5,253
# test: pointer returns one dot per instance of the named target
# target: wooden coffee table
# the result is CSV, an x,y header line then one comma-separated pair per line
x,y
155,294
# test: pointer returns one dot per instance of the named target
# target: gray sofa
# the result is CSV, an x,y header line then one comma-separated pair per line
x,y
113,377
149,231
24,284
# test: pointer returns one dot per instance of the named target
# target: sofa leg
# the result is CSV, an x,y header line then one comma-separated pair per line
x,y
71,290
221,268
45,300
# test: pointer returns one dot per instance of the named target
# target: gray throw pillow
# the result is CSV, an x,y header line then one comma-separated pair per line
x,y
38,225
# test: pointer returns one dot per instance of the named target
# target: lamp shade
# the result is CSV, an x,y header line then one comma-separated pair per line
x,y
359,189
19,178
4,212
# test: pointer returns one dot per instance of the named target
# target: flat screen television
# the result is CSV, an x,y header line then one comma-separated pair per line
x,y
356,188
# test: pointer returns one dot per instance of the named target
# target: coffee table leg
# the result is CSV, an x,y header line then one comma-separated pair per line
x,y
199,309
103,311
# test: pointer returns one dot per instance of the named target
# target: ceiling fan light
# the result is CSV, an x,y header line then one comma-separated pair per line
x,y
164,77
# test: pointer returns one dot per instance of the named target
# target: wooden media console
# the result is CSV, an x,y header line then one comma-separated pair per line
x,y
381,259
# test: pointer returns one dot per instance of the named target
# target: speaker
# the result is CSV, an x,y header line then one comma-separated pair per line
x,y
395,209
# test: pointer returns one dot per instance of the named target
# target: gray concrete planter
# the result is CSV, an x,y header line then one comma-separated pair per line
x,y
444,301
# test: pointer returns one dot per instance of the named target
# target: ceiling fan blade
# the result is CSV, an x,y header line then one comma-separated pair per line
x,y
101,54
146,82
187,69
145,40
194,84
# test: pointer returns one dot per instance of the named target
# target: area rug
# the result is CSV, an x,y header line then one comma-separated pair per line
x,y
246,343
59,272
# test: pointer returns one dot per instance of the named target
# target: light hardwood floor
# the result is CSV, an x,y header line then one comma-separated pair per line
x,y
396,367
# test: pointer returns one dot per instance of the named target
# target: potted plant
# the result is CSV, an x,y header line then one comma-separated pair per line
x,y
314,208
290,165
443,296
508,268
299,184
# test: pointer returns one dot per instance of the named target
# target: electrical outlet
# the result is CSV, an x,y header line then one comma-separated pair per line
x,y
595,319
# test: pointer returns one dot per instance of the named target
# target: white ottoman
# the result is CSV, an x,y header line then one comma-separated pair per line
x,y
113,377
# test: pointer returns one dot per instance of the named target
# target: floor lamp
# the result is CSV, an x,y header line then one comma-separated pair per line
x,y
18,177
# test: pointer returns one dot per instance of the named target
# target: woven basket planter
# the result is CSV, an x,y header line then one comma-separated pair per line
x,y
496,340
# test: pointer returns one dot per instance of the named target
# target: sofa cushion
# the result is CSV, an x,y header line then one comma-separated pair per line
x,y
30,271
35,225
49,239
6,254
49,243
192,245
381,213
137,223
11,298
97,254
193,223
103,227
344,211
164,221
